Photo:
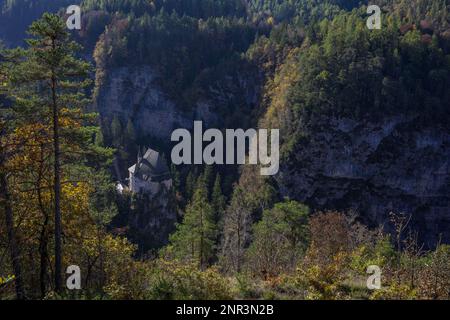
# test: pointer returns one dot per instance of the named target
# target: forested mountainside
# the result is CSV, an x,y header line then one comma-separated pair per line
x,y
365,146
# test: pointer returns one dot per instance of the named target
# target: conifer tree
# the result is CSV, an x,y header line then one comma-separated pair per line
x,y
131,132
237,223
50,83
217,199
175,177
116,131
195,236
190,185
208,175
5,197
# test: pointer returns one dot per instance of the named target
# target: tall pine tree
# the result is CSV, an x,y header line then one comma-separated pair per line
x,y
50,81
218,200
6,126
194,239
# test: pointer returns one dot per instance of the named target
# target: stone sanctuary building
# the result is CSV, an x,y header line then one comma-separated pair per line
x,y
149,174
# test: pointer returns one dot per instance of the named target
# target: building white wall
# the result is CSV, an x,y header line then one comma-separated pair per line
x,y
136,185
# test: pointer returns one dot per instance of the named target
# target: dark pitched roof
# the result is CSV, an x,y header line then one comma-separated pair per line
x,y
151,165
155,161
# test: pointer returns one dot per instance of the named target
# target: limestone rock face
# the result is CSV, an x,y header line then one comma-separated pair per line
x,y
132,93
375,167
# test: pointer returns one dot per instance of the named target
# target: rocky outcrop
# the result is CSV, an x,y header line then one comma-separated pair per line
x,y
375,167
147,220
132,93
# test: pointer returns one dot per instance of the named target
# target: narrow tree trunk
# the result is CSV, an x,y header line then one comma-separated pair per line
x,y
201,240
43,252
57,186
43,238
57,191
14,249
238,261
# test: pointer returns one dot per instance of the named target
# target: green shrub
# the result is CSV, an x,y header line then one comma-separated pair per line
x,y
174,280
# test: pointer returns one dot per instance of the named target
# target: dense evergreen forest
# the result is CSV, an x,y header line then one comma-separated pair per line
x,y
365,140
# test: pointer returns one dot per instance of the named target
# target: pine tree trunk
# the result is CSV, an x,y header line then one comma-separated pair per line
x,y
43,243
57,186
238,261
14,249
200,256
43,238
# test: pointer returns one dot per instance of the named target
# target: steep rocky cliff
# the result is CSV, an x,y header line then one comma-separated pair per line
x,y
375,167
151,220
131,93
135,93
